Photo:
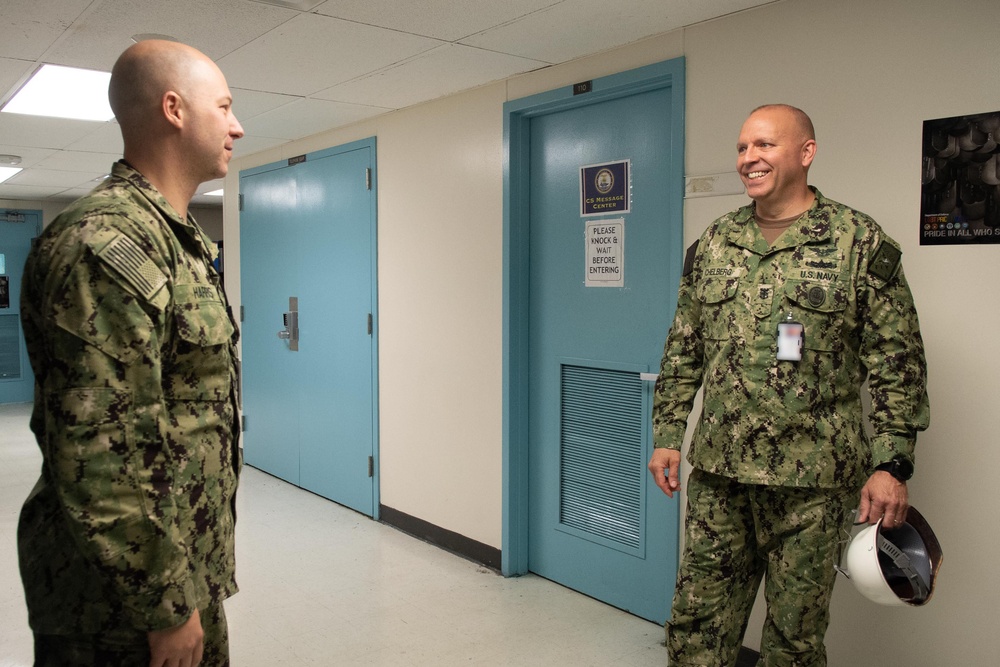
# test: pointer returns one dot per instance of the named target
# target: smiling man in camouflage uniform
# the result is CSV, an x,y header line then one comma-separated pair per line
x,y
126,541
780,455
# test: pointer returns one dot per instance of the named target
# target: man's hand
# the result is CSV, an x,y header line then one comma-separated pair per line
x,y
883,496
180,646
665,466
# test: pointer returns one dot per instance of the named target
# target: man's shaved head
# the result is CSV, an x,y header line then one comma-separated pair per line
x,y
802,121
143,73
174,108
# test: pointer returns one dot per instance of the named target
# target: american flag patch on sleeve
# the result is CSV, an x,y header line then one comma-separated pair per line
x,y
128,259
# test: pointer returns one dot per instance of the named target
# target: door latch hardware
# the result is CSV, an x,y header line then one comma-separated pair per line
x,y
290,320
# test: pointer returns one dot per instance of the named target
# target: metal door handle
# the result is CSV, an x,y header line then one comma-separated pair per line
x,y
291,322
648,377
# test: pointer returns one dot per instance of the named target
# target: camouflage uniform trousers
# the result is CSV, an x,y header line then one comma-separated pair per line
x,y
128,647
734,534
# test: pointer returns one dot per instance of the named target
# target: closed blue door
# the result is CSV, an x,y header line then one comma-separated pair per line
x,y
597,523
17,229
307,235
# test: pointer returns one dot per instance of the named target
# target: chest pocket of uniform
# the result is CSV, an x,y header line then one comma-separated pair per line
x,y
820,308
200,368
718,302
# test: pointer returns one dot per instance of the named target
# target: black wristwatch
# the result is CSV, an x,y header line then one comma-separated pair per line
x,y
900,467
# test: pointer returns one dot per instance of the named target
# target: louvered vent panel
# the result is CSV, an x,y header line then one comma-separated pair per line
x,y
601,453
10,348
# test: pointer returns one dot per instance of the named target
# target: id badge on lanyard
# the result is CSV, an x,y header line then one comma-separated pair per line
x,y
791,335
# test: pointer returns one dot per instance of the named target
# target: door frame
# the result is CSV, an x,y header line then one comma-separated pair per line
x,y
371,144
516,296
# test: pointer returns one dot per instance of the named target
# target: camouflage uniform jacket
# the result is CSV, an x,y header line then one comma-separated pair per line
x,y
133,348
789,423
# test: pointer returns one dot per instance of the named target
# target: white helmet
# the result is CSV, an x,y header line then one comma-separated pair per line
x,y
895,566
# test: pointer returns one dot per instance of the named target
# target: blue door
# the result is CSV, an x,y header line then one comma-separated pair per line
x,y
601,291
307,258
17,229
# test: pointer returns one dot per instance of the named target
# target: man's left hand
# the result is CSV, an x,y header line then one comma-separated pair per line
x,y
883,496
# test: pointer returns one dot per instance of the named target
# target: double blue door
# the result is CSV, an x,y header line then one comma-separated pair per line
x,y
307,247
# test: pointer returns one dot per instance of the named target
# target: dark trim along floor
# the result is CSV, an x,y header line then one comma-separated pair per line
x,y
446,539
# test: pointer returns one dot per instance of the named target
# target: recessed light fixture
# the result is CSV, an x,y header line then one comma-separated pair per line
x,y
142,37
7,172
64,92
214,193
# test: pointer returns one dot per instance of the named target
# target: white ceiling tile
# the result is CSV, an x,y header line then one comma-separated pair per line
x,y
29,156
80,161
442,71
104,138
41,132
312,53
306,117
51,178
10,191
30,26
248,104
576,28
444,19
215,28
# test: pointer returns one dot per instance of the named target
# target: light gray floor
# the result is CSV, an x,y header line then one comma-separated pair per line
x,y
323,585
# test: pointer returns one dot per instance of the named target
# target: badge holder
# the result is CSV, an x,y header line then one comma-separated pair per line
x,y
791,336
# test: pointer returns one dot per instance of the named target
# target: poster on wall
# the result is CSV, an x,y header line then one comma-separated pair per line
x,y
605,188
605,254
960,180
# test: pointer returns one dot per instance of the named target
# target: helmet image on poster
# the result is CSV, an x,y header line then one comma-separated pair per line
x,y
895,566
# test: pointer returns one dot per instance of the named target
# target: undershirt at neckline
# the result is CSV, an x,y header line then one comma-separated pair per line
x,y
772,229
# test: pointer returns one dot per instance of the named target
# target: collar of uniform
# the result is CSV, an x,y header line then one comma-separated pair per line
x,y
123,170
812,227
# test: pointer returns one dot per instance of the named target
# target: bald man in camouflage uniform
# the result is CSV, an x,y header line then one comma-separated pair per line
x,y
779,454
126,542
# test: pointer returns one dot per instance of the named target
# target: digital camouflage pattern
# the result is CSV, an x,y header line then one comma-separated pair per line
x,y
124,647
733,533
133,348
794,423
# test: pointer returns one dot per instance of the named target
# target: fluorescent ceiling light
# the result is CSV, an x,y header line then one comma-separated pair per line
x,y
64,92
7,172
214,193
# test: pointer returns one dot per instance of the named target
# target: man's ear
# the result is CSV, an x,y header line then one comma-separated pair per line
x,y
808,152
173,108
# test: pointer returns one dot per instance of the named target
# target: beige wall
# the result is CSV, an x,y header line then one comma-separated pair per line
x,y
869,72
